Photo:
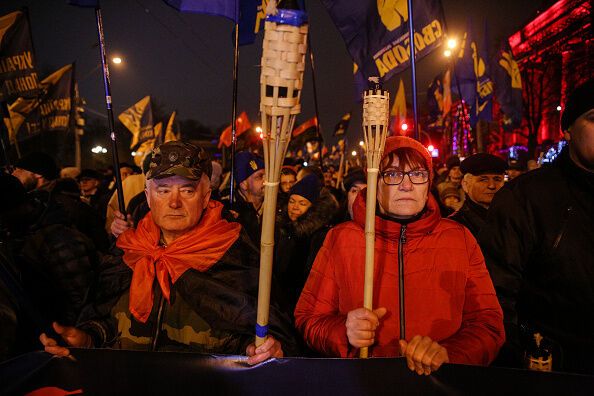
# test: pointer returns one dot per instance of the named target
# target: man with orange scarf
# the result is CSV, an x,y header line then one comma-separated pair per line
x,y
184,279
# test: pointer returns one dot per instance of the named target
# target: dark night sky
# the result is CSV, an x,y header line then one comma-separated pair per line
x,y
185,60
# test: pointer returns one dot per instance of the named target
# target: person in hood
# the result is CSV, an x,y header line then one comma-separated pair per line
x,y
185,279
302,226
451,310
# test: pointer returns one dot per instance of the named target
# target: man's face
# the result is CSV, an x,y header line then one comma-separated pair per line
x,y
125,172
581,141
328,179
297,206
177,203
352,194
87,184
513,173
455,175
481,189
254,185
287,181
28,179
405,199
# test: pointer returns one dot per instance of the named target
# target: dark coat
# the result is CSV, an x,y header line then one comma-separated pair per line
x,y
247,216
225,297
471,215
298,242
539,246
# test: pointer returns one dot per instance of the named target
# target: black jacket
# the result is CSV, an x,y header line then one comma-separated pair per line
x,y
471,215
297,244
225,297
247,216
539,247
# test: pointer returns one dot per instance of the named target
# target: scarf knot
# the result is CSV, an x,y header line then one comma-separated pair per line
x,y
199,249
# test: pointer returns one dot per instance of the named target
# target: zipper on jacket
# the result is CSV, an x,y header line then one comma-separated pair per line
x,y
563,226
401,242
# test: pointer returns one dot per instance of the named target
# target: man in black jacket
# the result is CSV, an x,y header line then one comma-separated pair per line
x,y
483,177
184,279
539,247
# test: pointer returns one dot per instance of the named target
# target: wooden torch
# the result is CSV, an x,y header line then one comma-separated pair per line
x,y
376,103
281,82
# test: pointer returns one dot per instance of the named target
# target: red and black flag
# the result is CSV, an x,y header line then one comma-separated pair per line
x,y
18,75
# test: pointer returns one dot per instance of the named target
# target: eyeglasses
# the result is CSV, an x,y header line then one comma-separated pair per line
x,y
393,177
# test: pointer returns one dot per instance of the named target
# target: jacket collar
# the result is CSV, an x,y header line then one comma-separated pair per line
x,y
390,229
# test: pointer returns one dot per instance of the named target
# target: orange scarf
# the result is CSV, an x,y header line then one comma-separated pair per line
x,y
198,249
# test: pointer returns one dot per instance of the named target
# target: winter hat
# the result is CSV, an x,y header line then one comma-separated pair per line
x,y
482,163
309,188
246,164
449,191
89,174
580,101
13,192
39,163
452,161
396,142
355,175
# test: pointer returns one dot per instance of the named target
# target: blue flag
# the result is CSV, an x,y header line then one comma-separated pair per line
x,y
376,32
483,109
464,81
508,86
248,14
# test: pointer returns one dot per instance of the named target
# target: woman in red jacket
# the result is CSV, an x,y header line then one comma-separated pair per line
x,y
452,312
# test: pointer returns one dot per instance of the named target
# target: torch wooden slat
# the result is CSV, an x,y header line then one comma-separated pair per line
x,y
281,80
375,130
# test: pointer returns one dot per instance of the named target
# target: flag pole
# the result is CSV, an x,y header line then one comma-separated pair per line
x,y
315,95
234,111
108,104
413,67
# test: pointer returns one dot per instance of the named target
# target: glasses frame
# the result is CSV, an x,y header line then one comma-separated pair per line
x,y
404,174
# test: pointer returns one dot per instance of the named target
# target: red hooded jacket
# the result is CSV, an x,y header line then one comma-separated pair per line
x,y
449,295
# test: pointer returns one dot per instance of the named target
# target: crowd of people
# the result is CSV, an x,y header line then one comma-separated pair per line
x,y
496,260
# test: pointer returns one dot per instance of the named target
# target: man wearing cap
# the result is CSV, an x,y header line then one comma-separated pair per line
x,y
91,191
539,246
483,177
249,195
353,183
35,170
184,279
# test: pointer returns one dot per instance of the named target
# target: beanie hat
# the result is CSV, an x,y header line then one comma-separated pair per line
x,y
452,161
39,163
246,164
449,191
355,175
396,142
580,101
309,188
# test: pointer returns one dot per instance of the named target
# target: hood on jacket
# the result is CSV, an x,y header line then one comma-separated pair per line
x,y
319,214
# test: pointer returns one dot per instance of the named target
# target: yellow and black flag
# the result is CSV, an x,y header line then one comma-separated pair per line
x,y
508,86
139,121
342,126
172,132
49,111
18,75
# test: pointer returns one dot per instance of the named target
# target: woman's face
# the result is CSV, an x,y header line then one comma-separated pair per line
x,y
405,199
298,206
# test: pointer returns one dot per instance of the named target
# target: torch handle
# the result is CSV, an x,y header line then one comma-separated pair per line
x,y
266,258
372,174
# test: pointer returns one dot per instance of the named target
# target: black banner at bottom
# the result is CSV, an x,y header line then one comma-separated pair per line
x,y
107,372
